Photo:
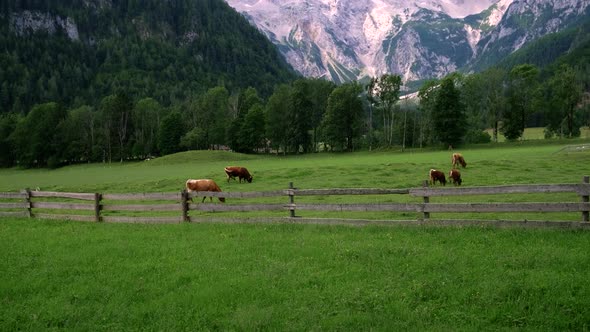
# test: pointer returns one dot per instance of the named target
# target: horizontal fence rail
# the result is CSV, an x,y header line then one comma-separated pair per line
x,y
177,207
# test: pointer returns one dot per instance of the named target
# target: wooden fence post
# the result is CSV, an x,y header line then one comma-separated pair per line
x,y
585,199
291,201
27,193
184,203
426,215
97,206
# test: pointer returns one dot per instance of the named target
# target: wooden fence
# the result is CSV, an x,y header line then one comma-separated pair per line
x,y
177,207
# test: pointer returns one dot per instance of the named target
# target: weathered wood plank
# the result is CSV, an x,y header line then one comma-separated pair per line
x,y
226,194
142,196
142,220
505,207
494,190
428,222
14,214
449,222
12,195
62,206
395,207
142,207
14,205
349,191
583,189
64,217
239,220
81,196
216,207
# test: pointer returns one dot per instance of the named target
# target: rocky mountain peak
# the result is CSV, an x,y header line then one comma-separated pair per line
x,y
348,39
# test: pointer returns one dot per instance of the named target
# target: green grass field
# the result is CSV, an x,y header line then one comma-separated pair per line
x,y
538,133
57,275
120,277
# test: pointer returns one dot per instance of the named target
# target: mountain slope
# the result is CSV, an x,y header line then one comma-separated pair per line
x,y
347,39
526,21
547,49
77,53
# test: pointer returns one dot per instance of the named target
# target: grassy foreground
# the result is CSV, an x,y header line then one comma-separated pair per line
x,y
120,277
85,276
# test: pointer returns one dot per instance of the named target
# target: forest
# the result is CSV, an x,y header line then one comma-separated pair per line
x,y
166,84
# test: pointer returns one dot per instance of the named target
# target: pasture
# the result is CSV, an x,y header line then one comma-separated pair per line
x,y
538,133
208,276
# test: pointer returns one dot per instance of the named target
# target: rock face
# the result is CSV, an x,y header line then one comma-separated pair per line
x,y
525,21
37,21
348,39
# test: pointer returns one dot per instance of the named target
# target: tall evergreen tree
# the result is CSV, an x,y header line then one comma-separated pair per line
x,y
344,116
146,118
170,132
8,123
427,95
523,94
277,111
448,114
253,129
300,118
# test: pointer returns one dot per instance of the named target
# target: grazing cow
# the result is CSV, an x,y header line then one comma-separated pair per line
x,y
437,176
239,172
457,158
203,185
455,177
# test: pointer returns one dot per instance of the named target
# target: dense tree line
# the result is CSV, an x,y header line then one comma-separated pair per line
x,y
153,88
307,115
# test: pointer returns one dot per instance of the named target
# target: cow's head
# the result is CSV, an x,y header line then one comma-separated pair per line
x,y
249,179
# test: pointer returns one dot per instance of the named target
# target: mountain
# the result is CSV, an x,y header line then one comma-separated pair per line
x,y
347,39
567,46
526,21
77,52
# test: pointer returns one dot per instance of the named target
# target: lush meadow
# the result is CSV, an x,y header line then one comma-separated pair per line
x,y
279,276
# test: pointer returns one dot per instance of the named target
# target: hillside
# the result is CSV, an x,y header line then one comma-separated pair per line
x,y
344,40
78,53
548,49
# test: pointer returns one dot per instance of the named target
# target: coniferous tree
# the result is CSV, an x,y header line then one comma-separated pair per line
x,y
8,124
448,115
523,94
170,132
146,118
277,111
344,116
253,129
427,95
300,118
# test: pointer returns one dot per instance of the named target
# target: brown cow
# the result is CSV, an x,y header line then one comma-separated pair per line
x,y
437,176
457,158
240,172
455,177
203,185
